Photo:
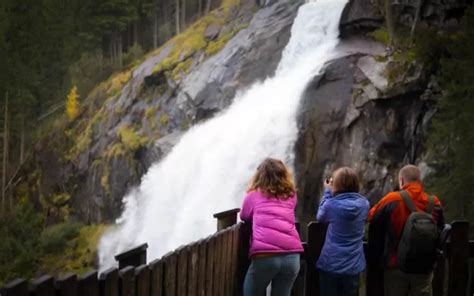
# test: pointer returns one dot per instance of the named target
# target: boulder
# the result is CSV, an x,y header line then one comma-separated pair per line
x,y
359,17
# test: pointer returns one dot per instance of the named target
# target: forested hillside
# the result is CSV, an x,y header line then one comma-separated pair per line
x,y
53,54
49,47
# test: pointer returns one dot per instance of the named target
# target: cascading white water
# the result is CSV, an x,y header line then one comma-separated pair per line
x,y
209,169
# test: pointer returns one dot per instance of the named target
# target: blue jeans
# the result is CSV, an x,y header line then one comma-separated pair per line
x,y
280,270
332,284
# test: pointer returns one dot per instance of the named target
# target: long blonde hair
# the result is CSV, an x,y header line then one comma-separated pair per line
x,y
274,179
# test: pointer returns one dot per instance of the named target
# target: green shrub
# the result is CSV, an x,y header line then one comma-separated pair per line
x,y
54,239
132,56
20,243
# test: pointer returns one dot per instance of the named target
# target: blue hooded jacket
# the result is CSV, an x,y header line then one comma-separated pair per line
x,y
343,250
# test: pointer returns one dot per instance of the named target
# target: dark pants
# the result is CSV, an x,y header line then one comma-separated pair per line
x,y
332,284
398,283
279,270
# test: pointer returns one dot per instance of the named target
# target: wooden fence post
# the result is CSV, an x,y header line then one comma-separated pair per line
x,y
88,284
193,265
127,281
66,285
156,277
133,257
18,287
109,282
243,262
226,219
201,281
42,286
316,237
171,264
439,275
142,281
182,271
374,271
459,259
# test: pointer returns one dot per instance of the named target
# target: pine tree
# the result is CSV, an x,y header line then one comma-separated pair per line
x,y
72,104
452,137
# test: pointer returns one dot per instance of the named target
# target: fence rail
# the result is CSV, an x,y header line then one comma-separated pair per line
x,y
216,266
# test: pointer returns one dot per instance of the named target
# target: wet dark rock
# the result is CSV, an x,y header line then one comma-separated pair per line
x,y
360,17
341,125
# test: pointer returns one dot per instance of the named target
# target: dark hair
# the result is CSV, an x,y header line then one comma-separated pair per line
x,y
345,180
274,179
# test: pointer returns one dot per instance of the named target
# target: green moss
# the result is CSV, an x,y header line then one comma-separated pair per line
x,y
228,4
182,67
381,58
104,180
185,124
130,138
164,119
81,141
192,40
115,83
381,35
215,46
150,115
116,150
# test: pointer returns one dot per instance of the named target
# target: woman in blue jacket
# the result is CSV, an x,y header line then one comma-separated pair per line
x,y
342,257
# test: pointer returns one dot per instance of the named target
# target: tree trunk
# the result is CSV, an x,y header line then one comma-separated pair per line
x,y
22,141
389,20
120,51
5,153
135,33
178,24
415,21
155,29
199,8
183,15
208,6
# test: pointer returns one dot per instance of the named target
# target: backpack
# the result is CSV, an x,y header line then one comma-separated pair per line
x,y
418,244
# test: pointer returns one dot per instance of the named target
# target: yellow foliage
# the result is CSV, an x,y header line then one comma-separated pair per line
x,y
380,35
164,119
192,40
81,143
72,104
150,115
228,4
104,180
116,83
130,139
215,46
115,150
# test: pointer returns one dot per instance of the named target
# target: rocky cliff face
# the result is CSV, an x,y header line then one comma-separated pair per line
x,y
133,119
369,110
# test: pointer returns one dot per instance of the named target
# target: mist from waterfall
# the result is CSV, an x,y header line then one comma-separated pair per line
x,y
209,168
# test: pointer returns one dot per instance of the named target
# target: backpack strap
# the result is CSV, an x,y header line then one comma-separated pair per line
x,y
408,202
430,206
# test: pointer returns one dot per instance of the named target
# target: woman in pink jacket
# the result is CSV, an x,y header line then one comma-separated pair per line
x,y
275,245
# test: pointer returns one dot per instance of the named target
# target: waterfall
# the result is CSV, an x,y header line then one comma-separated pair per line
x,y
209,168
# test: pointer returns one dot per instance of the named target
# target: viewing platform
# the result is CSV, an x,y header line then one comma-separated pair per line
x,y
216,266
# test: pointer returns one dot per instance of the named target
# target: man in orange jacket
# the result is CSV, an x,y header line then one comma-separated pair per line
x,y
388,218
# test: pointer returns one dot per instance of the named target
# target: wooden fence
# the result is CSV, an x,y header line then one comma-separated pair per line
x,y
216,266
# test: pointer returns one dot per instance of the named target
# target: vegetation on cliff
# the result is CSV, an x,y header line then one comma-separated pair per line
x,y
44,233
452,136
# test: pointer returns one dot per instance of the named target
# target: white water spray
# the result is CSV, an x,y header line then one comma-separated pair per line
x,y
208,170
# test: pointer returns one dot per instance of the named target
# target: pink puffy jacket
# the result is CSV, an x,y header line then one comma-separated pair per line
x,y
273,224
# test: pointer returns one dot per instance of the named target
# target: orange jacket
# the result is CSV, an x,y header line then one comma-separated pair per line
x,y
388,218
